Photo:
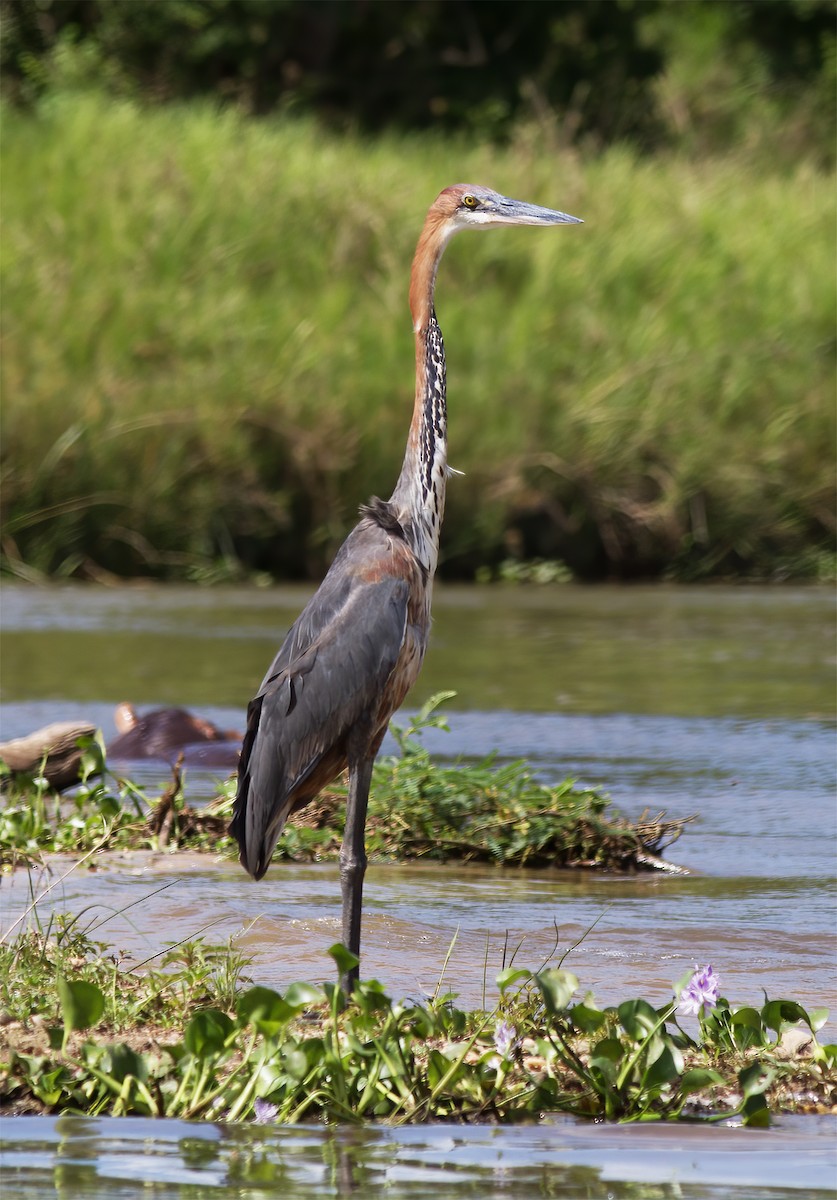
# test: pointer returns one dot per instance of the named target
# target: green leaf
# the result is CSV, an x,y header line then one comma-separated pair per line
x,y
557,986
638,1018
207,1033
49,1087
345,960
82,1004
747,1028
510,976
755,1079
264,1009
666,1066
586,1018
818,1017
698,1079
777,1013
124,1062
295,1062
303,995
754,1082
755,1112
606,1056
827,1054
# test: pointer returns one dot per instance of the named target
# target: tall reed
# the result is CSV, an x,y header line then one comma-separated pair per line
x,y
207,354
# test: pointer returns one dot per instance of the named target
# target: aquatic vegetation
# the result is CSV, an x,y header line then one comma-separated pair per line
x,y
701,992
419,809
107,1039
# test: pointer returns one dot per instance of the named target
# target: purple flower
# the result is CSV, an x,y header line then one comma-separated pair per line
x,y
264,1112
505,1039
700,994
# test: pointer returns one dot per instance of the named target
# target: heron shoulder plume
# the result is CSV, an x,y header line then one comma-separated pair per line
x,y
356,649
383,514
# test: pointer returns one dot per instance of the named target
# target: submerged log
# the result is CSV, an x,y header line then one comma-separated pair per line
x,y
52,751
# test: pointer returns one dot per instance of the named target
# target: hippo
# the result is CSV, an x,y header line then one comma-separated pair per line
x,y
164,733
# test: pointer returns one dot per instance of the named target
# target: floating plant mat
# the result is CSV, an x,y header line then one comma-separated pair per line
x,y
419,809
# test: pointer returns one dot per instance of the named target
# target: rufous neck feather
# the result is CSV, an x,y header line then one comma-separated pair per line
x,y
419,495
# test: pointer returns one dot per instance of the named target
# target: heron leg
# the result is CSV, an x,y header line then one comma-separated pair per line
x,y
353,860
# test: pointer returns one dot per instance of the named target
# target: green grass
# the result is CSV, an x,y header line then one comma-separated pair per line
x,y
207,358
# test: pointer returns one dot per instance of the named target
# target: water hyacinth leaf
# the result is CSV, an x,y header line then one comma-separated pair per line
x,y
755,1079
454,1050
265,1009
510,976
586,1019
123,1061
268,1078
698,1079
557,986
344,959
638,1018
371,997
777,1013
747,1028
295,1062
438,1068
422,1022
754,1082
606,1056
207,1032
303,995
818,1017
82,1004
827,1054
48,1087
755,1113
666,1065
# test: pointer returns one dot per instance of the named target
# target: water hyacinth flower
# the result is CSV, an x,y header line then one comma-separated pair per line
x,y
700,993
264,1112
505,1039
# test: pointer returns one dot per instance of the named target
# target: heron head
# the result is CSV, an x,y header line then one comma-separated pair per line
x,y
469,205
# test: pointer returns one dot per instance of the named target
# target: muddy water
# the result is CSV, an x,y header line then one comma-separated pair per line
x,y
718,702
715,702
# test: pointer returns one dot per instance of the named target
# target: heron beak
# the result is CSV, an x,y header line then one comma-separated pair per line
x,y
518,212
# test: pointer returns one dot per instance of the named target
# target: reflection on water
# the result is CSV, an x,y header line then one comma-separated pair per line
x,y
683,651
76,1157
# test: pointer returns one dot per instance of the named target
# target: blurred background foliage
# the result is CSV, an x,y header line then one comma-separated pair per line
x,y
467,65
209,210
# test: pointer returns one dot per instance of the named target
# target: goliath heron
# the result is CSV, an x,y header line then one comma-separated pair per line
x,y
356,649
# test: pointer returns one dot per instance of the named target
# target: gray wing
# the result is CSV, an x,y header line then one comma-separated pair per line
x,y
328,675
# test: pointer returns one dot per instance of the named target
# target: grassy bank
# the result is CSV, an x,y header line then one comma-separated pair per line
x,y
207,357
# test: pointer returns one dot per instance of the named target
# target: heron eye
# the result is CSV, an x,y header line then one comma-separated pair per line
x,y
470,201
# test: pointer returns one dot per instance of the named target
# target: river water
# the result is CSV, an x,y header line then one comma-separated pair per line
x,y
715,701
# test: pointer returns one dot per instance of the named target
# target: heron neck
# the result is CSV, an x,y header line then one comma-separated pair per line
x,y
419,495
